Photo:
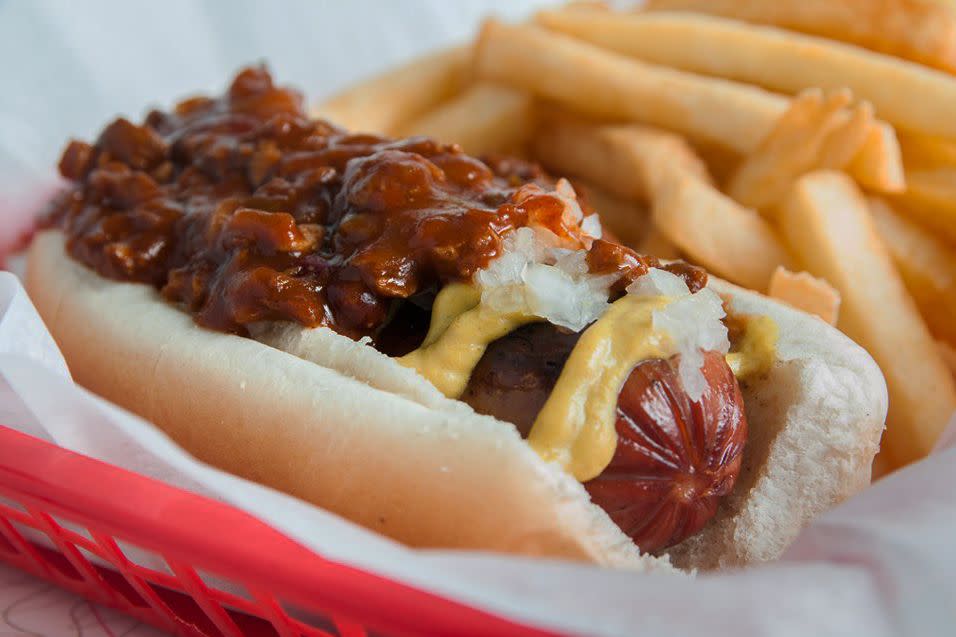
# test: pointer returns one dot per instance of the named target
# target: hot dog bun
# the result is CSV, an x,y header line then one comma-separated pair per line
x,y
334,422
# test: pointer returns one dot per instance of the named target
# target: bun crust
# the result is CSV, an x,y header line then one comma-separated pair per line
x,y
334,422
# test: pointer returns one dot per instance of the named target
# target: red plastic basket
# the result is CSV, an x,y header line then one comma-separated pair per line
x,y
288,590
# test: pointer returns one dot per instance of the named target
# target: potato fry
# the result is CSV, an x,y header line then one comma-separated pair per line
x,y
655,244
805,292
602,84
628,160
949,356
718,233
911,29
926,151
828,225
879,164
906,94
811,135
881,468
627,220
930,198
721,163
927,265
382,103
595,82
485,118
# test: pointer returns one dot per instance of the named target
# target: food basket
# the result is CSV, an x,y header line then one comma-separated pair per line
x,y
93,513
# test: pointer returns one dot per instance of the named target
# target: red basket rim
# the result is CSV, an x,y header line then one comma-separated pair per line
x,y
72,485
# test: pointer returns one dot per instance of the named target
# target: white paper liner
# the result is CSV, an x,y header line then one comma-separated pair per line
x,y
883,563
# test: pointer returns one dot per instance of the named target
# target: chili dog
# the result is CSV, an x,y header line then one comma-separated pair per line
x,y
439,347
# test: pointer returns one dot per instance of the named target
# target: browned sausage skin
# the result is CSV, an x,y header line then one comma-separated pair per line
x,y
514,378
675,458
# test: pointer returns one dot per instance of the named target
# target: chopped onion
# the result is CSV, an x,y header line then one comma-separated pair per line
x,y
565,192
534,276
591,226
659,282
693,322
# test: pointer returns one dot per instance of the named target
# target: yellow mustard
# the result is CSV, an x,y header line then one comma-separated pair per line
x,y
454,300
576,426
460,331
757,349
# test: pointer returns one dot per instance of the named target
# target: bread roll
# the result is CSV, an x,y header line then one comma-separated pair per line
x,y
332,421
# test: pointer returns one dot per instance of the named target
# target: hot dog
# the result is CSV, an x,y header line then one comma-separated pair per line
x,y
674,459
411,291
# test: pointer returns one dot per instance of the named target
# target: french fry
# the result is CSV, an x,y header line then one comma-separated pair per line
x,y
949,356
721,163
911,29
881,468
628,160
485,118
930,198
805,292
655,244
595,82
879,164
926,151
628,220
382,103
598,83
927,265
811,135
906,94
826,222
718,233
